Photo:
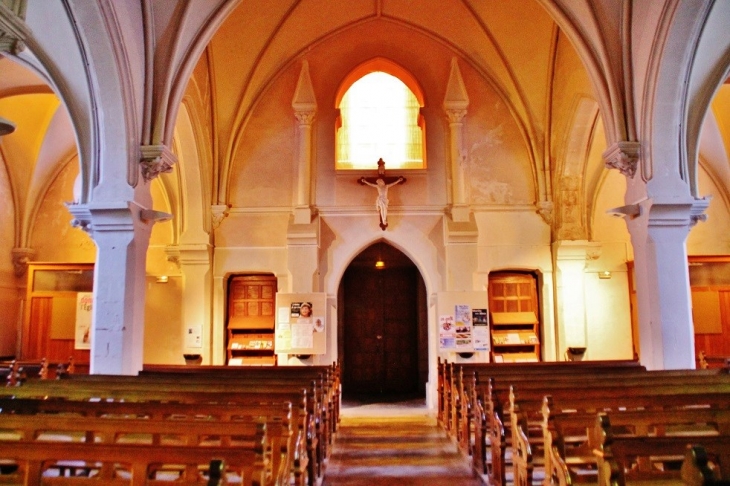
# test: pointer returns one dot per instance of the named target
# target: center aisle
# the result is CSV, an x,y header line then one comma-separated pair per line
x,y
390,444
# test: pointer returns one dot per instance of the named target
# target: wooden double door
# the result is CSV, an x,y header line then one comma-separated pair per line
x,y
381,331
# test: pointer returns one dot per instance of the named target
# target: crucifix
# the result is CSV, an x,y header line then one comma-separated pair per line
x,y
382,183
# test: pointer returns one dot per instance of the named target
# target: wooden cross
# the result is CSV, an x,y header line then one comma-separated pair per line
x,y
382,183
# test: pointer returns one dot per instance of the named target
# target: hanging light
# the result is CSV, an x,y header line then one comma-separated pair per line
x,y
6,127
379,263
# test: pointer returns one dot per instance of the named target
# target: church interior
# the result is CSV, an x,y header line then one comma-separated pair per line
x,y
555,184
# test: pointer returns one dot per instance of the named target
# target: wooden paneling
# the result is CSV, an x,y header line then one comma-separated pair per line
x,y
41,337
513,307
251,311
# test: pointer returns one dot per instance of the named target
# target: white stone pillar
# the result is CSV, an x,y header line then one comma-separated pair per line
x,y
304,104
570,264
456,103
195,262
122,237
658,234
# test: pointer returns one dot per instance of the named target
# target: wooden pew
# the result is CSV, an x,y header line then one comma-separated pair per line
x,y
596,393
705,361
569,439
287,454
228,382
15,372
233,392
455,379
36,458
330,375
451,377
697,469
619,457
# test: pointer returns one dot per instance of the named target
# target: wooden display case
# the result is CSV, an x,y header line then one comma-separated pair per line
x,y
251,319
515,318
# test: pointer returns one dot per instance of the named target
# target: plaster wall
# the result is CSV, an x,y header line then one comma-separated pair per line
x,y
711,237
9,306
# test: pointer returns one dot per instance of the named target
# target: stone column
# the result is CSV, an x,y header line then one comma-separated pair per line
x,y
570,263
456,103
304,104
195,262
658,234
122,237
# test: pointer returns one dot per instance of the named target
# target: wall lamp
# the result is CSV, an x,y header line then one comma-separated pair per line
x,y
152,216
604,274
630,210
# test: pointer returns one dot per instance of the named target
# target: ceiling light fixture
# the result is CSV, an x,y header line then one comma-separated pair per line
x,y
6,127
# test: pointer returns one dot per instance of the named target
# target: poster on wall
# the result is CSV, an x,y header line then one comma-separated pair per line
x,y
447,332
463,322
480,329
82,338
300,323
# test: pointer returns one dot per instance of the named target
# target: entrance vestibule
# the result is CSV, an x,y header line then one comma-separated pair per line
x,y
383,334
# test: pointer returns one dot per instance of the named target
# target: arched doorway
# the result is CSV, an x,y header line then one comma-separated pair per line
x,y
383,334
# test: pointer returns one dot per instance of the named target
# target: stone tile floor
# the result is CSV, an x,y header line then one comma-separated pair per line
x,y
395,443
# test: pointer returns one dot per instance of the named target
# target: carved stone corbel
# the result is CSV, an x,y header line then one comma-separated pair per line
x,y
623,156
156,159
545,210
13,29
21,257
218,212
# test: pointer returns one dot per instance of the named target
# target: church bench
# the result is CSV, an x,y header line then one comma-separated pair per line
x,y
141,460
701,469
15,372
318,403
497,390
705,361
138,390
621,459
452,377
493,420
569,437
288,449
330,375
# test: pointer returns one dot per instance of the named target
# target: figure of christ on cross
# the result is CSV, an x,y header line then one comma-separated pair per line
x,y
382,184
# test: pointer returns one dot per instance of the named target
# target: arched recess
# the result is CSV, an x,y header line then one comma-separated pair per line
x,y
383,326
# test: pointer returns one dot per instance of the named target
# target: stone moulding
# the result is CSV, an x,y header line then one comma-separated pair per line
x,y
623,156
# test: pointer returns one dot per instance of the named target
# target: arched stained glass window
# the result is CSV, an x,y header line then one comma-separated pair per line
x,y
380,118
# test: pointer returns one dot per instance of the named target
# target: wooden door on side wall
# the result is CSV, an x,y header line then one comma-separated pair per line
x,y
381,341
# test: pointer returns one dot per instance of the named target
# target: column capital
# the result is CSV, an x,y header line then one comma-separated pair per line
x,y
455,115
21,257
156,159
677,213
13,29
623,156
189,254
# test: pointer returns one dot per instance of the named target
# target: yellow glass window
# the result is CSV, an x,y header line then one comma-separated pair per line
x,y
379,118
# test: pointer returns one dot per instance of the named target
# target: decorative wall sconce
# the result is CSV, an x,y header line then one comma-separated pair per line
x,y
6,127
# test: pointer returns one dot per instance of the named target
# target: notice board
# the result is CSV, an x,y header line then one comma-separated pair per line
x,y
301,325
463,321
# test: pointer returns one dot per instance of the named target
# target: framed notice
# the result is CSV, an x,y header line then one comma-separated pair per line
x,y
82,338
463,325
301,324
